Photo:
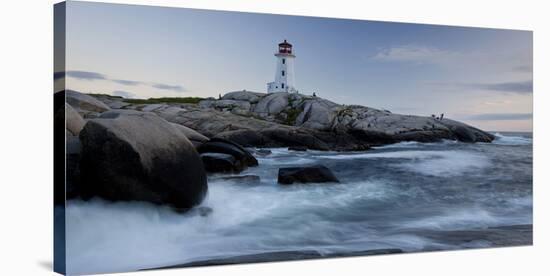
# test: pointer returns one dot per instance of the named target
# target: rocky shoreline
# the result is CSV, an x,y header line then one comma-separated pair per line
x,y
254,119
118,149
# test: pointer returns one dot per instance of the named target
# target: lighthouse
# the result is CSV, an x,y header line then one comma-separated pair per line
x,y
284,73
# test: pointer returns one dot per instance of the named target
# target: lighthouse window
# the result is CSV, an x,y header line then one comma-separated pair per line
x,y
283,61
282,85
283,72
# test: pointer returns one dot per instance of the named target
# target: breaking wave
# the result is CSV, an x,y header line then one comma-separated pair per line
x,y
512,140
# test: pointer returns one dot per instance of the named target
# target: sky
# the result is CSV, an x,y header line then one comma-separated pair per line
x,y
476,75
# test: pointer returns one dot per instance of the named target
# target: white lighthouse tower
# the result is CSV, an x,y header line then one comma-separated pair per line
x,y
284,74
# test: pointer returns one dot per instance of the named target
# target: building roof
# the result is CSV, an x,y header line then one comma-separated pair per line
x,y
285,43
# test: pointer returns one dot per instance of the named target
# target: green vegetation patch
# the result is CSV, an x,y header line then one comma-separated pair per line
x,y
292,114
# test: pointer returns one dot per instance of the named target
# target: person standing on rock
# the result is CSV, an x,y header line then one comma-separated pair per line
x,y
441,118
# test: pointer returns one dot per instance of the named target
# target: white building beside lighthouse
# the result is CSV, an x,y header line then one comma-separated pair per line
x,y
284,74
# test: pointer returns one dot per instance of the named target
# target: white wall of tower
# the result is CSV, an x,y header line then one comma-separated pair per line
x,y
284,75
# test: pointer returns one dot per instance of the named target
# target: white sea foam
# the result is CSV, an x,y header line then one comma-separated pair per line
x,y
428,162
109,237
464,218
508,140
454,220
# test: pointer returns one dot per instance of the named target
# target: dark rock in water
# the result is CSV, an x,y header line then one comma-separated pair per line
x,y
249,178
219,145
286,256
298,148
140,156
204,211
314,174
221,162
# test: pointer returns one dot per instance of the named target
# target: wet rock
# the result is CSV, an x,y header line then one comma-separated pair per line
x,y
221,162
313,174
219,145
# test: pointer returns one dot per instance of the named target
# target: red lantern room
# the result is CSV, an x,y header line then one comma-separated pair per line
x,y
285,48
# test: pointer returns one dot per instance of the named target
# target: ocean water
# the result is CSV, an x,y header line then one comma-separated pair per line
x,y
388,197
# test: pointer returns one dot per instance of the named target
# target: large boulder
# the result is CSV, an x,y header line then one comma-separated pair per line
x,y
140,156
317,114
84,103
313,174
272,104
73,121
219,145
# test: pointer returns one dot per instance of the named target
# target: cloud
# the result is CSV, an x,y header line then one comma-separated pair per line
x,y
417,54
88,75
85,75
472,62
516,87
124,94
520,87
500,117
128,82
176,88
